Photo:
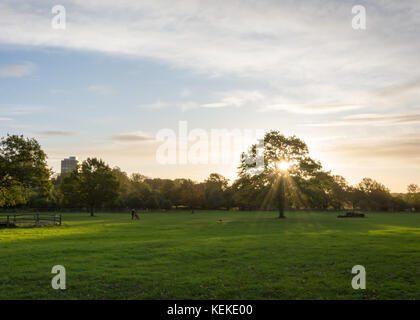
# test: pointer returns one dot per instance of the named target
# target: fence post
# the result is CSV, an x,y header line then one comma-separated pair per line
x,y
8,221
37,219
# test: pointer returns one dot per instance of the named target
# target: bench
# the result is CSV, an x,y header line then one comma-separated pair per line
x,y
352,215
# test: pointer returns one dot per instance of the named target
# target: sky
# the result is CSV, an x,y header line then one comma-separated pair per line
x,y
123,71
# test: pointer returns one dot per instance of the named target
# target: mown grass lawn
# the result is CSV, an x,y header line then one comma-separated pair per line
x,y
249,255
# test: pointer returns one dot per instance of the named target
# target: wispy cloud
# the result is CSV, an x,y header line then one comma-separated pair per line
x,y
269,101
100,89
310,108
155,105
235,99
399,89
56,133
374,119
18,110
16,70
132,137
401,148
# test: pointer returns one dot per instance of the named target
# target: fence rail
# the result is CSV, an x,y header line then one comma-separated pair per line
x,y
9,220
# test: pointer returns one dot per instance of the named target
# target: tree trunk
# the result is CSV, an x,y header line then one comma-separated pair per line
x,y
281,198
281,210
92,211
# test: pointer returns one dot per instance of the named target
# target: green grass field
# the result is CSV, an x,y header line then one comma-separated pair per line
x,y
179,255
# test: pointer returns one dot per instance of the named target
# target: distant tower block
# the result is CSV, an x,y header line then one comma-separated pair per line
x,y
68,165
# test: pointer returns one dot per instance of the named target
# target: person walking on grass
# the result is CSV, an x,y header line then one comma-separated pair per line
x,y
134,215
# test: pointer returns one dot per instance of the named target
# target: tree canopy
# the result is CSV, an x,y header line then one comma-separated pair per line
x,y
23,171
268,185
93,185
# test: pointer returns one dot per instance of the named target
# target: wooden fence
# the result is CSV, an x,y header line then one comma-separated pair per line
x,y
36,219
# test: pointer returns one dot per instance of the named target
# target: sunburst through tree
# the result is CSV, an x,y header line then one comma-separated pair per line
x,y
286,162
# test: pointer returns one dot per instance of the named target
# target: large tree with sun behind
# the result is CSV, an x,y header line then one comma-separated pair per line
x,y
287,165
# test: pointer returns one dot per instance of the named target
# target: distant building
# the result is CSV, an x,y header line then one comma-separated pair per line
x,y
68,165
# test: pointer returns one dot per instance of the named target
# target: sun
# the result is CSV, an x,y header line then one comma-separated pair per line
x,y
283,165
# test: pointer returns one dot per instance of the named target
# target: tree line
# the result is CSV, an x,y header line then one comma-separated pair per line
x,y
27,182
